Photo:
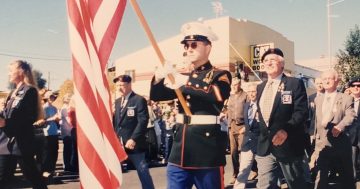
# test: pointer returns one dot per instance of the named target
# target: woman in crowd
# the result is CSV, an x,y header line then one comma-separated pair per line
x,y
72,120
22,109
67,126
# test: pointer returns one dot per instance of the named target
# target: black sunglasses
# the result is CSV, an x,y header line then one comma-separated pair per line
x,y
193,45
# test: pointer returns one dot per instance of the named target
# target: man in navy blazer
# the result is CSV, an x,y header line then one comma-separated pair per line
x,y
283,109
250,139
130,122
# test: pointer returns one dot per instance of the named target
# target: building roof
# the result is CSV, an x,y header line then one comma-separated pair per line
x,y
319,64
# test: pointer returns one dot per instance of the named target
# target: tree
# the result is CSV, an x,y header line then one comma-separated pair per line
x,y
349,60
68,88
65,88
41,82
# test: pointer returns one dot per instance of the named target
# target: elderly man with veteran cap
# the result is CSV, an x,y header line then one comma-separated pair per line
x,y
283,109
130,122
198,152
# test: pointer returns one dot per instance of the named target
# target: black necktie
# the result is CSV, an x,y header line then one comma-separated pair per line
x,y
122,104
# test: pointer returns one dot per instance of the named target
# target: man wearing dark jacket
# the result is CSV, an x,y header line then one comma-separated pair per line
x,y
355,140
250,139
283,109
130,122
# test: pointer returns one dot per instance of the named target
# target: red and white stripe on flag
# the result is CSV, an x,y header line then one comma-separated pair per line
x,y
93,27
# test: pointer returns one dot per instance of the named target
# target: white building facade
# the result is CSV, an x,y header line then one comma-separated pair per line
x,y
240,43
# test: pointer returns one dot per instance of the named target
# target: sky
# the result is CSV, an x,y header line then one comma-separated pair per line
x,y
37,31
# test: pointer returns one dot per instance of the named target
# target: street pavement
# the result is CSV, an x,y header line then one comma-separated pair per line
x,y
61,179
130,179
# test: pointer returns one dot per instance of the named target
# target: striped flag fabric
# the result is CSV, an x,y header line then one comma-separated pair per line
x,y
93,27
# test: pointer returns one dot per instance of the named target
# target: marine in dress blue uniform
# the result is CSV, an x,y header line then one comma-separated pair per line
x,y
198,152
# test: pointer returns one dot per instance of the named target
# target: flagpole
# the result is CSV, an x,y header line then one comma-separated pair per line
x,y
159,54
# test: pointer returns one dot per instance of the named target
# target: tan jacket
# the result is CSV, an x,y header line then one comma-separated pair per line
x,y
342,115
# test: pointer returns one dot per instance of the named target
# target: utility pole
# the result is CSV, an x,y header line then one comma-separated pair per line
x,y
48,80
329,33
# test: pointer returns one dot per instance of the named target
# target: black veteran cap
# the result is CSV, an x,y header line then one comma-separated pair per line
x,y
354,81
276,51
122,78
196,31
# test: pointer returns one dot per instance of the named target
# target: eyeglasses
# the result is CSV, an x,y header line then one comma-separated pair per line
x,y
193,45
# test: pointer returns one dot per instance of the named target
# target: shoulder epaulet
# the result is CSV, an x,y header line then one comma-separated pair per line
x,y
224,75
224,78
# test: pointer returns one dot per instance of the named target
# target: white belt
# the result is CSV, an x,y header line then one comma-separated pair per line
x,y
197,119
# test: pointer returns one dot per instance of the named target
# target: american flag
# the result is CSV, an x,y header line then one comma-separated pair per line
x,y
93,26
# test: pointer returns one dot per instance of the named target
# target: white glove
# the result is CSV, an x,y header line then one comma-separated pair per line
x,y
162,71
180,80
